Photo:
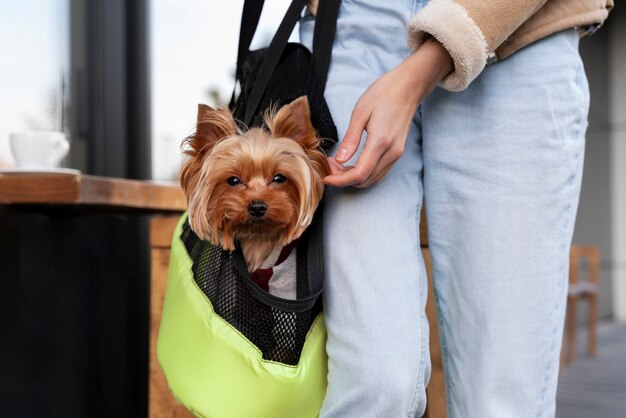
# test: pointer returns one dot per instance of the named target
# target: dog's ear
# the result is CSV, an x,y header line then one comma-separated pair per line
x,y
213,125
294,121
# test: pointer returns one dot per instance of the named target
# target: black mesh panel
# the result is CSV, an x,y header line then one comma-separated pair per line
x,y
278,327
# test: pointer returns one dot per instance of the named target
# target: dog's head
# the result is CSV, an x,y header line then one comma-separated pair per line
x,y
240,185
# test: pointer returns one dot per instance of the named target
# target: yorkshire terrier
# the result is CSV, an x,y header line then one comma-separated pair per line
x,y
258,189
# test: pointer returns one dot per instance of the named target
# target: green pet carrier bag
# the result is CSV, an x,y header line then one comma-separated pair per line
x,y
228,348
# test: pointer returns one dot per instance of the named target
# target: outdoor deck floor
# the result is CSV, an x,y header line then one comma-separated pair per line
x,y
596,387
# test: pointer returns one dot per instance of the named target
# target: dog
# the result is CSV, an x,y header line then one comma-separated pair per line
x,y
256,188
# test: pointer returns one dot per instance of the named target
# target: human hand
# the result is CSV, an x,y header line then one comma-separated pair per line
x,y
385,112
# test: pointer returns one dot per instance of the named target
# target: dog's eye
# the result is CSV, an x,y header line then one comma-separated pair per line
x,y
279,178
233,181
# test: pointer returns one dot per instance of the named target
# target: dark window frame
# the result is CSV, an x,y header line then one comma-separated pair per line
x,y
110,87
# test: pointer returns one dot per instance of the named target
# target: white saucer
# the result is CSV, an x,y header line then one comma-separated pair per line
x,y
55,170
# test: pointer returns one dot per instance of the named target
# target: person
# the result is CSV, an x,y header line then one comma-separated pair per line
x,y
496,153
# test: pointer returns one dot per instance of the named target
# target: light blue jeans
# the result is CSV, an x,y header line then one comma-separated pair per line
x,y
499,166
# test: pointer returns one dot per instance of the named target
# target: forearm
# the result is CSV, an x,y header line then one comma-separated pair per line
x,y
426,67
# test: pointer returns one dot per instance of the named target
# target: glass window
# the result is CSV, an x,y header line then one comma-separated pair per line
x,y
33,69
193,53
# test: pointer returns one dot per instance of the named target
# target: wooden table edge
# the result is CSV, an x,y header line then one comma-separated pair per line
x,y
86,190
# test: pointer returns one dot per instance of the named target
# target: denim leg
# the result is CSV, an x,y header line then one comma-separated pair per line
x,y
375,279
502,172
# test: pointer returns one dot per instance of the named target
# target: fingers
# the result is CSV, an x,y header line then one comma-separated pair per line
x,y
373,164
387,160
335,167
377,175
351,140
360,172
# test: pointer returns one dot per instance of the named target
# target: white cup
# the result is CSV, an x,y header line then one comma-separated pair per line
x,y
39,149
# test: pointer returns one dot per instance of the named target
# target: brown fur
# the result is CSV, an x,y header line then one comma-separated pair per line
x,y
218,211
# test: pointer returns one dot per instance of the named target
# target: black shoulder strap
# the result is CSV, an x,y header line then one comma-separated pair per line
x,y
325,24
315,252
249,22
323,35
272,56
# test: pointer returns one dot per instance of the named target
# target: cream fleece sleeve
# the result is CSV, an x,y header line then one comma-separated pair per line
x,y
470,30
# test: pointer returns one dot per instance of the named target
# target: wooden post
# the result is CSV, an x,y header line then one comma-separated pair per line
x,y
593,258
161,403
436,389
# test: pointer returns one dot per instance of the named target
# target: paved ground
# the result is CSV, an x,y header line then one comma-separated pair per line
x,y
596,387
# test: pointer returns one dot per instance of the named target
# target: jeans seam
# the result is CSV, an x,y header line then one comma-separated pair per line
x,y
567,224
417,401
556,309
444,351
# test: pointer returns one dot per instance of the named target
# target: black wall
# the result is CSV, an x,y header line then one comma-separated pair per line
x,y
74,316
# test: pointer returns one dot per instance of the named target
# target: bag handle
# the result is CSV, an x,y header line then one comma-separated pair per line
x,y
271,58
322,45
327,11
323,35
315,252
249,22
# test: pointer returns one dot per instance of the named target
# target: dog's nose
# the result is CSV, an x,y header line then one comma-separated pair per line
x,y
257,209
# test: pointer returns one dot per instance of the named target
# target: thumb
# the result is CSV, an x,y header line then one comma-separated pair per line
x,y
352,138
